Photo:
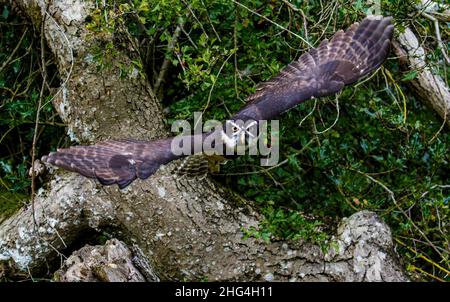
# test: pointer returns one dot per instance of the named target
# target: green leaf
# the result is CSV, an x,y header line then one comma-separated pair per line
x,y
5,13
410,76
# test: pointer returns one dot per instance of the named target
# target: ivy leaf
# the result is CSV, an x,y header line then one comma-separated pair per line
x,y
410,76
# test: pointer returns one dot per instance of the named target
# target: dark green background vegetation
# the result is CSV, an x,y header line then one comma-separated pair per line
x,y
331,165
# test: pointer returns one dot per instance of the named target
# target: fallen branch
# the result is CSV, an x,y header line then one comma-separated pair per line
x,y
166,62
430,87
433,7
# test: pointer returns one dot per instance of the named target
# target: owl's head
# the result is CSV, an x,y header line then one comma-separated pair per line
x,y
238,135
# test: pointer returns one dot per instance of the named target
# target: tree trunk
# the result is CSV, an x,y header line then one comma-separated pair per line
x,y
186,230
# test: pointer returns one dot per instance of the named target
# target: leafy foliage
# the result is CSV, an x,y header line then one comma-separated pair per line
x,y
20,83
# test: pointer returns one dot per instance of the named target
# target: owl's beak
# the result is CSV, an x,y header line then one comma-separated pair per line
x,y
242,137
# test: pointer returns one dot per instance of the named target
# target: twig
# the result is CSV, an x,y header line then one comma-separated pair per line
x,y
14,51
305,23
236,18
262,170
265,170
331,8
309,114
434,187
188,36
399,91
291,6
29,274
165,64
272,22
36,125
69,46
136,18
420,241
426,273
214,83
181,61
429,86
195,17
60,238
210,22
335,121
432,7
4,184
392,197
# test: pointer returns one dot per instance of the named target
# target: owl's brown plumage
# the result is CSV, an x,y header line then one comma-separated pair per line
x,y
114,161
348,57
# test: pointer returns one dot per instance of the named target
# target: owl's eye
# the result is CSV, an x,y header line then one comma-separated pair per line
x,y
235,129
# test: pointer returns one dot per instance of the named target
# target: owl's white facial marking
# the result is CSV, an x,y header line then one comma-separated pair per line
x,y
238,134
230,142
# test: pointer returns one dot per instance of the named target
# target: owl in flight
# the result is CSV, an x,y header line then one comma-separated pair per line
x,y
348,57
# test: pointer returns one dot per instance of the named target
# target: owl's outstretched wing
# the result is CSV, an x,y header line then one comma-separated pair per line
x,y
114,161
348,57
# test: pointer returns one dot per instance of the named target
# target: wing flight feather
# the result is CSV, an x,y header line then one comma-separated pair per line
x,y
348,57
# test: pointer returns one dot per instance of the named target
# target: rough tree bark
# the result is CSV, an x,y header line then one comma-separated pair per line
x,y
112,262
430,87
185,230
